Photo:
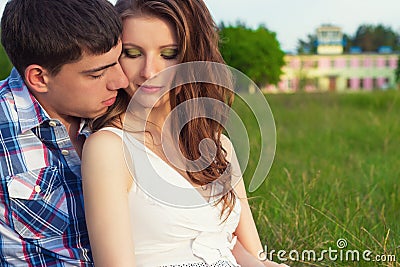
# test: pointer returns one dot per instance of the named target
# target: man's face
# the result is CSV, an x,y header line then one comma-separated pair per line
x,y
85,88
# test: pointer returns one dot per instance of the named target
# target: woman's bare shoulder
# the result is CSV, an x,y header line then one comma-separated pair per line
x,y
102,140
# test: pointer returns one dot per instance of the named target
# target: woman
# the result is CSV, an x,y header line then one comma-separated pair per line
x,y
128,224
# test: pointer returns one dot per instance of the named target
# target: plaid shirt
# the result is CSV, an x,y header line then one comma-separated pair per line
x,y
42,219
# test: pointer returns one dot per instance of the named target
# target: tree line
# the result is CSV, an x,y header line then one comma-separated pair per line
x,y
369,38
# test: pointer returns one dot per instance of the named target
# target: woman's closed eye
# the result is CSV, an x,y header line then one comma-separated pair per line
x,y
169,53
132,52
166,53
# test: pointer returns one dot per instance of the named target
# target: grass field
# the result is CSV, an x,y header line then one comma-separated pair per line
x,y
335,176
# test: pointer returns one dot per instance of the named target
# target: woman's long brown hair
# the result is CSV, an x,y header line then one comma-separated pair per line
x,y
198,39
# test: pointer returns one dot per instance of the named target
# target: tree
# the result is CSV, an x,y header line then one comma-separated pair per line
x,y
347,42
5,65
397,72
256,53
370,37
308,46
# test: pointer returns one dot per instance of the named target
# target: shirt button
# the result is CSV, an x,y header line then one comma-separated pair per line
x,y
52,123
65,152
37,189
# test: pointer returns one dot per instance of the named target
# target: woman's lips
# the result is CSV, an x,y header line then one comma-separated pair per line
x,y
109,102
150,89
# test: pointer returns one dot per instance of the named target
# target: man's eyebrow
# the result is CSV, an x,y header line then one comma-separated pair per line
x,y
99,68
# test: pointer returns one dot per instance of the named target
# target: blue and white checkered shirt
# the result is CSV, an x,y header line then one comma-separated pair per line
x,y
42,220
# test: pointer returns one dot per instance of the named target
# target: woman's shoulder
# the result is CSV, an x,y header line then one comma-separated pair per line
x,y
111,134
107,140
109,131
104,151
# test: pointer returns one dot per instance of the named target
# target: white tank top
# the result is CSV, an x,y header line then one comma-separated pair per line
x,y
166,234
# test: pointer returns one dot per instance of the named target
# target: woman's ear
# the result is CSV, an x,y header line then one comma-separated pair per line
x,y
36,78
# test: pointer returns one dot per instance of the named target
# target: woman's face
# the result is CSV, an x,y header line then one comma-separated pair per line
x,y
149,46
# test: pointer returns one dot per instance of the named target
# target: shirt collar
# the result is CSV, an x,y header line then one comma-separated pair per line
x,y
84,128
30,112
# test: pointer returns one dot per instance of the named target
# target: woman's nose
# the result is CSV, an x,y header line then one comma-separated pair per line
x,y
150,68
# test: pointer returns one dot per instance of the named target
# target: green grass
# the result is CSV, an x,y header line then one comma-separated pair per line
x,y
335,175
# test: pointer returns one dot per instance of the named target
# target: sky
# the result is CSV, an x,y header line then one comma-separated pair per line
x,y
292,20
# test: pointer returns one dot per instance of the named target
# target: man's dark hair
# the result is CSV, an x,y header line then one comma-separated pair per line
x,y
52,33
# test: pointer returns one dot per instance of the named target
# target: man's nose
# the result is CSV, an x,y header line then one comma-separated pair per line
x,y
119,79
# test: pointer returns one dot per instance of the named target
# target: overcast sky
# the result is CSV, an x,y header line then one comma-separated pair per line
x,y
294,19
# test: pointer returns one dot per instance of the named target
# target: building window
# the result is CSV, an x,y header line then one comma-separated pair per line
x,y
393,63
368,62
380,62
323,63
354,63
308,64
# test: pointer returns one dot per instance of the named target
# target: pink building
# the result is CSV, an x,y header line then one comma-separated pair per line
x,y
332,70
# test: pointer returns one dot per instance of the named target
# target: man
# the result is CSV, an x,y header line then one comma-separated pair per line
x,y
65,55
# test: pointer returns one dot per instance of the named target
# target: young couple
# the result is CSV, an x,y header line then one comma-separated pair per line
x,y
71,62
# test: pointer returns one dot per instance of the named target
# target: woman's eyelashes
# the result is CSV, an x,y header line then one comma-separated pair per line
x,y
167,53
132,52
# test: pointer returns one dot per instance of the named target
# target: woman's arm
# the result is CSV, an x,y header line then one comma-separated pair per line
x,y
105,187
245,259
246,231
249,245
